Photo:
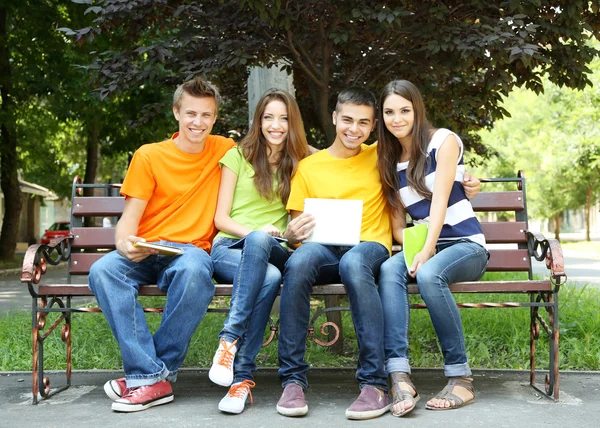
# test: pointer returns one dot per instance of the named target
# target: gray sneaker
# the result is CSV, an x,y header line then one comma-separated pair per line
x,y
371,402
292,401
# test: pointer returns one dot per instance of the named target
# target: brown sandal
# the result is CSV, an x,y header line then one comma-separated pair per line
x,y
400,395
454,400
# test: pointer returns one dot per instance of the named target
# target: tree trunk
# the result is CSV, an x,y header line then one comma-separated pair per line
x,y
9,179
556,219
588,212
320,101
92,159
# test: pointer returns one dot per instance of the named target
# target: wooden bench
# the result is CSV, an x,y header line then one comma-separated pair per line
x,y
86,244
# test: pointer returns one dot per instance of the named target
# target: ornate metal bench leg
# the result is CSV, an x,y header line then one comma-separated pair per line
x,y
534,332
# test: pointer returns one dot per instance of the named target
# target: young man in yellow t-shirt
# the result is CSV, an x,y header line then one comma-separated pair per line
x,y
170,195
346,170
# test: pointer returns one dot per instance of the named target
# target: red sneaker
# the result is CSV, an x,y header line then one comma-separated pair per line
x,y
115,388
143,397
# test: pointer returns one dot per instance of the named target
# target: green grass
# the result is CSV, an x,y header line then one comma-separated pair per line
x,y
591,248
495,338
17,262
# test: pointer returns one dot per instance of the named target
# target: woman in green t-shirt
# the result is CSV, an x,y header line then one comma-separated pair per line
x,y
249,249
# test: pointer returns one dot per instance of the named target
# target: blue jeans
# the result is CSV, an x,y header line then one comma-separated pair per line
x,y
357,267
256,272
453,262
187,280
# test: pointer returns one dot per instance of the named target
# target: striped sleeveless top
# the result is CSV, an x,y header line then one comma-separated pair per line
x,y
460,221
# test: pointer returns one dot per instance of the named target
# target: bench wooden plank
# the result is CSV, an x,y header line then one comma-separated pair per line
x,y
522,286
508,261
498,201
505,232
93,237
98,206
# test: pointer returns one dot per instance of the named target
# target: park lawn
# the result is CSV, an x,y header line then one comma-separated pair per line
x,y
495,338
589,248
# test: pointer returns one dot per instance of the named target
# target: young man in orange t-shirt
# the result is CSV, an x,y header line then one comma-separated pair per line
x,y
170,195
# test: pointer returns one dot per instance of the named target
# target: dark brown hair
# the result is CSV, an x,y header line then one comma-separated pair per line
x,y
389,149
256,150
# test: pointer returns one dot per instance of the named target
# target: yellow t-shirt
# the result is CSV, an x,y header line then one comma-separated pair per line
x,y
181,189
324,176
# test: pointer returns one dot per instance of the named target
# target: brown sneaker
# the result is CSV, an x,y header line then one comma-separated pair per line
x,y
371,403
292,401
143,397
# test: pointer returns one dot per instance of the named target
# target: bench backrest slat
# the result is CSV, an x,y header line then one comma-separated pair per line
x,y
504,233
99,206
498,201
93,237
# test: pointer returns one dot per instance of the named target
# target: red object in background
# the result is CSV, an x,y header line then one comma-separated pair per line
x,y
57,230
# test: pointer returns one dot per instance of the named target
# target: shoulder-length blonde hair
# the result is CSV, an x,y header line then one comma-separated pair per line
x,y
256,150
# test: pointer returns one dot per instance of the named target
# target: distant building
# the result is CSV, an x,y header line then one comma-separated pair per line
x,y
41,208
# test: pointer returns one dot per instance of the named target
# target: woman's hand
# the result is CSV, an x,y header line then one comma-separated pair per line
x,y
271,230
471,184
420,259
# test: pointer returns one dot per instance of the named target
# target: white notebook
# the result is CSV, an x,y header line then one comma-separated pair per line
x,y
337,221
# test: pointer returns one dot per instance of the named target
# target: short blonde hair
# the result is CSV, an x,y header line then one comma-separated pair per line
x,y
196,87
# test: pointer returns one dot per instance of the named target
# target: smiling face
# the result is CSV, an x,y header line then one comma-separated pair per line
x,y
398,116
274,124
196,117
353,125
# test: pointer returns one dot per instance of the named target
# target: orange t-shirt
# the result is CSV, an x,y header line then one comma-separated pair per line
x,y
181,189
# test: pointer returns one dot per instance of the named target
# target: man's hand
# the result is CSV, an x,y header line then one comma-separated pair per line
x,y
271,230
299,228
126,248
471,184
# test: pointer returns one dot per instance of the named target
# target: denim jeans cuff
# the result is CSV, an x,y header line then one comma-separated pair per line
x,y
397,364
134,381
230,339
457,370
172,377
383,386
297,382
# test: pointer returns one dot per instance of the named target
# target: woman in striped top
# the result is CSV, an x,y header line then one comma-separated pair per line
x,y
421,171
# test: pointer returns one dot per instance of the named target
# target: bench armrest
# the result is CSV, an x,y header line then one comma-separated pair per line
x,y
549,249
39,256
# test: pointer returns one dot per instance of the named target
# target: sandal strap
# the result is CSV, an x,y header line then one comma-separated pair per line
x,y
456,400
398,394
462,381
446,393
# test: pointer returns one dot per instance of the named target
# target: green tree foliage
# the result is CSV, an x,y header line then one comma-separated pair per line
x,y
465,55
29,65
554,137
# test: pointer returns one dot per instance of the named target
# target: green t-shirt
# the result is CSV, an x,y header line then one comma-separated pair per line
x,y
249,208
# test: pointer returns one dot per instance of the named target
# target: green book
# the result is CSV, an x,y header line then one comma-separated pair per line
x,y
413,241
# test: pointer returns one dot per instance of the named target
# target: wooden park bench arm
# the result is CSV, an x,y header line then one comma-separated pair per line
x,y
550,251
39,256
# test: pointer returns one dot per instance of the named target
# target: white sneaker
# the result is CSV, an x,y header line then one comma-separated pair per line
x,y
221,371
235,400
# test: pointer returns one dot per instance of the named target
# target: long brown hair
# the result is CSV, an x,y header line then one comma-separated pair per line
x,y
389,149
256,150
